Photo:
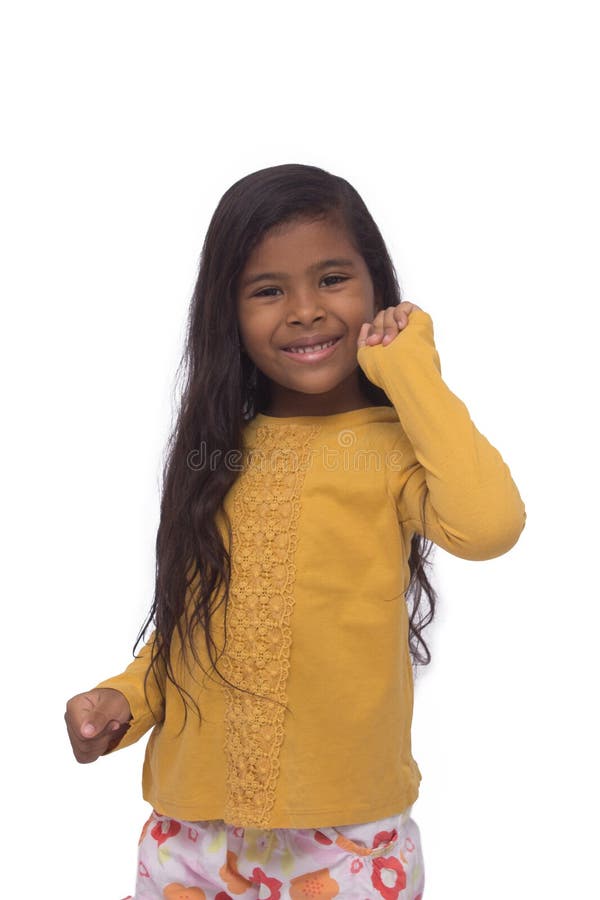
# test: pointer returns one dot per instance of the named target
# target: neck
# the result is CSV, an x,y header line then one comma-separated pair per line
x,y
287,403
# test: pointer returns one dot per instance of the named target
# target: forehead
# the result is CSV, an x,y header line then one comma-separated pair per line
x,y
295,244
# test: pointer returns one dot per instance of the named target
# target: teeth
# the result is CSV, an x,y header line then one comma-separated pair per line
x,y
312,348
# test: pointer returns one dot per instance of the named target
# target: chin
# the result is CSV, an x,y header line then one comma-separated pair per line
x,y
315,390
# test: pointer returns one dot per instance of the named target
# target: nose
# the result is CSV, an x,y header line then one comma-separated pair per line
x,y
304,307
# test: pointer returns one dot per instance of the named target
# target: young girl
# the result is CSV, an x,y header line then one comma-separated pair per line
x,y
317,455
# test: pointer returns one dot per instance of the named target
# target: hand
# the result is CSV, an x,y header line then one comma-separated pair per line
x,y
386,325
96,722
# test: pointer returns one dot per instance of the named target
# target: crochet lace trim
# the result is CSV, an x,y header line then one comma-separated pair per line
x,y
266,507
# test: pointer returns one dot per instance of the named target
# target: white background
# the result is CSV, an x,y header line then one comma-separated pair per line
x,y
471,131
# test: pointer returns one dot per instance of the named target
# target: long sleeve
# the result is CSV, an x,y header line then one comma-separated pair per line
x,y
146,710
472,507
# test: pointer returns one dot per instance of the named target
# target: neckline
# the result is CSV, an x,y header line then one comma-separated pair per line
x,y
364,413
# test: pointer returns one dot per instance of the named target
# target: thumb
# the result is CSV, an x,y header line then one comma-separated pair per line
x,y
96,723
106,712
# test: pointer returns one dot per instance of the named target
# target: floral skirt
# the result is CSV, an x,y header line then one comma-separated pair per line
x,y
211,860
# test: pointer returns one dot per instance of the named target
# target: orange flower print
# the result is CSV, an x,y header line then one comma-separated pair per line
x,y
388,877
179,892
236,883
314,886
273,885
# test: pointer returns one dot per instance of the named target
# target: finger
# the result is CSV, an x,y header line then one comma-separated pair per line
x,y
362,334
394,320
87,749
401,314
98,723
87,716
93,720
84,749
408,307
115,737
375,332
386,324
97,713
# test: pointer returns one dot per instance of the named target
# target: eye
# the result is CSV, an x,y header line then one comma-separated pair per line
x,y
339,279
265,292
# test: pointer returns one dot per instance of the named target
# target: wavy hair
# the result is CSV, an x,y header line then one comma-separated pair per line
x,y
223,390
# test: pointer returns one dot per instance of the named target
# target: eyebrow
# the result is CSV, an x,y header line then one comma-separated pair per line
x,y
322,264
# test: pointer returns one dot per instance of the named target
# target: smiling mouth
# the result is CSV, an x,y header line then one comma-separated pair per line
x,y
313,348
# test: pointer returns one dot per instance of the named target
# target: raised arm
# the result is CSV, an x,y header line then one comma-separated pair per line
x,y
472,507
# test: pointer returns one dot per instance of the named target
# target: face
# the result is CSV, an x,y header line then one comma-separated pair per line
x,y
305,283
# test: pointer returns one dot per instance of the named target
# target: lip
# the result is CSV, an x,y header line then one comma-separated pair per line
x,y
314,356
310,339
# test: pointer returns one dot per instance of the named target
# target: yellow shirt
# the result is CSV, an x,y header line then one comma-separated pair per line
x,y
322,517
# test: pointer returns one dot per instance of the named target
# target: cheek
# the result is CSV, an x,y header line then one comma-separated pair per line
x,y
365,301
247,327
365,310
255,321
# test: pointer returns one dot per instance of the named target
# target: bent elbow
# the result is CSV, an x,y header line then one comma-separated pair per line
x,y
499,536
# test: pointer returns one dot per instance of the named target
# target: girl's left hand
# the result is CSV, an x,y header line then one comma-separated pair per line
x,y
386,325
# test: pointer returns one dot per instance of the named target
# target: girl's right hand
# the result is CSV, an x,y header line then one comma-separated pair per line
x,y
96,722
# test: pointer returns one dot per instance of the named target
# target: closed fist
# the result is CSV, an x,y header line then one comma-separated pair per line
x,y
96,722
386,325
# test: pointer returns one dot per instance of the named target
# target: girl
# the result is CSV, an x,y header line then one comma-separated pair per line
x,y
317,456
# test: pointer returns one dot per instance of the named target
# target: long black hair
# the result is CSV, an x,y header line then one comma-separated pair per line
x,y
223,390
